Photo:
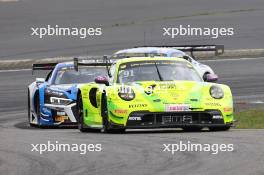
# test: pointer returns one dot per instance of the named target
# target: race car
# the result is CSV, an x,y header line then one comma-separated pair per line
x,y
174,51
52,101
154,93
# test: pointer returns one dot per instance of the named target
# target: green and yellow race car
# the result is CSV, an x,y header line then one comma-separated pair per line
x,y
156,92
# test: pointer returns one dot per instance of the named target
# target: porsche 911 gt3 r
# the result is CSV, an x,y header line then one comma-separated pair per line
x,y
174,51
154,93
52,101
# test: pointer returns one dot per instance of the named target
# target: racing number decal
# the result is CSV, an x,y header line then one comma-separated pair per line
x,y
128,73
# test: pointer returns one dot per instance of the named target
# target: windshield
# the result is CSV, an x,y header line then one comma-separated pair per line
x,y
139,54
84,75
156,70
151,53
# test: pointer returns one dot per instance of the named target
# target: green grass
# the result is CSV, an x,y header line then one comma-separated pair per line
x,y
250,119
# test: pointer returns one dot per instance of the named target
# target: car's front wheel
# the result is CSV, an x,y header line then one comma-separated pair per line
x,y
80,114
105,123
29,110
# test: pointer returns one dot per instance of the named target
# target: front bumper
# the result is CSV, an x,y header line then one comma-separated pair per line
x,y
138,120
50,114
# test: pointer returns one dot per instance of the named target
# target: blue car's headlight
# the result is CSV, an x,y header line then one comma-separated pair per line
x,y
60,101
50,93
53,93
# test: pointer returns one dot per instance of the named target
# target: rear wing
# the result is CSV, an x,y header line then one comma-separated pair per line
x,y
93,62
77,62
43,66
217,49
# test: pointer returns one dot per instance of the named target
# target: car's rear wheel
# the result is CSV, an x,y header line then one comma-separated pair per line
x,y
192,128
222,128
106,125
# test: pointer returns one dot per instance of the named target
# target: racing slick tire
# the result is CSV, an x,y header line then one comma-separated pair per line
x,y
80,114
192,128
106,124
222,128
37,107
29,108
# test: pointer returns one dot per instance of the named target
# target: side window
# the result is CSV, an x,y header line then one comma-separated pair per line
x,y
112,73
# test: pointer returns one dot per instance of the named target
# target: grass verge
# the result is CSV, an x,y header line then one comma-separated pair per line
x,y
250,119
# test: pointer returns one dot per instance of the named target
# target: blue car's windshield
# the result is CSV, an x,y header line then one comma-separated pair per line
x,y
84,75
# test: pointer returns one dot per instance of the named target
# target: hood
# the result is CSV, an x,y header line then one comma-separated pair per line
x,y
69,90
171,91
62,87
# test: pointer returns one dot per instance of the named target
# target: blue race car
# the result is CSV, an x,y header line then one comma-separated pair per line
x,y
52,101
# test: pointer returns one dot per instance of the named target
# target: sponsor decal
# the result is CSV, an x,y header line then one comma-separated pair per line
x,y
135,118
120,111
177,107
137,105
212,104
60,118
62,113
228,109
167,86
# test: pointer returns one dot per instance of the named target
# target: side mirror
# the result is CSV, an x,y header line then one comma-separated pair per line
x,y
210,77
40,80
102,80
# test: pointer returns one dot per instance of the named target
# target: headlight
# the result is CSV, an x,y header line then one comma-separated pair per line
x,y
59,101
53,93
126,93
216,92
49,93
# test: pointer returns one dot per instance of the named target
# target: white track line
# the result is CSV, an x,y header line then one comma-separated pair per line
x,y
249,102
15,70
244,97
9,0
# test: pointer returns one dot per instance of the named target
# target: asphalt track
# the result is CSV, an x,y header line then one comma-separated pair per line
x,y
136,152
124,23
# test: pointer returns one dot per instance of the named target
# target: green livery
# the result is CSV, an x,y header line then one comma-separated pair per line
x,y
154,93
